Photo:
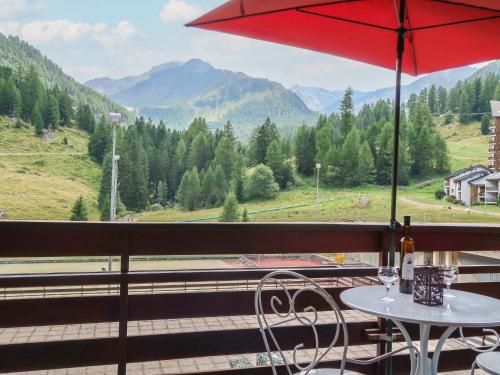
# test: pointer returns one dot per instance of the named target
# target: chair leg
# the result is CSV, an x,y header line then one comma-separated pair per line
x,y
473,368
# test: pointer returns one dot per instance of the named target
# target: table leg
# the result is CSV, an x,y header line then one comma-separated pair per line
x,y
425,361
429,366
439,346
413,353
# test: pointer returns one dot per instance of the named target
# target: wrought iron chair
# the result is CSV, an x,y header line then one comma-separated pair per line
x,y
488,359
290,310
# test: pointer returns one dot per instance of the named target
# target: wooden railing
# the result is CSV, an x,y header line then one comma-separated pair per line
x,y
63,239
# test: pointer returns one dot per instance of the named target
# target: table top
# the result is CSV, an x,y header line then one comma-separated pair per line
x,y
466,310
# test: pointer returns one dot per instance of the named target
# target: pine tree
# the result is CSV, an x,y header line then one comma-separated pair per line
x,y
384,155
51,112
105,183
305,150
133,169
228,132
442,162
488,87
10,103
220,185
237,185
163,192
261,183
199,154
331,167
464,107
208,190
31,89
85,118
225,156
346,113
497,92
79,211
66,111
485,124
244,216
100,141
442,100
432,100
189,193
276,161
366,170
260,140
37,120
350,159
231,210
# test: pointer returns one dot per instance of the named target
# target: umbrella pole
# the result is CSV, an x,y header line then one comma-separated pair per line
x,y
393,225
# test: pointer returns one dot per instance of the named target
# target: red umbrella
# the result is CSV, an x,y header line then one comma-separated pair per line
x,y
413,36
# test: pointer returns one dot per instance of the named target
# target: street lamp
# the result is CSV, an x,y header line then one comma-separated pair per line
x,y
115,119
318,166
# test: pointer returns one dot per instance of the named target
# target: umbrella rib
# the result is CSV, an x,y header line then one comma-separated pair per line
x,y
455,23
466,5
301,10
243,15
412,43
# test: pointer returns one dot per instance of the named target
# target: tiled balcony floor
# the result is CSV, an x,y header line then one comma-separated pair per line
x,y
87,331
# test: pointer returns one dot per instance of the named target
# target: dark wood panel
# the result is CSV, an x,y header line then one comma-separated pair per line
x,y
239,341
60,239
491,289
208,304
58,354
59,279
55,311
255,239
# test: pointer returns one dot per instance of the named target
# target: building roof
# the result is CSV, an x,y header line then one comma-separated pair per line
x,y
471,175
478,181
494,176
495,108
467,169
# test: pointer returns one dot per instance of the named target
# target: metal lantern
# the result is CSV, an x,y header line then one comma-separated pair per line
x,y
428,285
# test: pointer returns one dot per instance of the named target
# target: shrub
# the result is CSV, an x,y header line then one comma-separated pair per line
x,y
261,183
439,194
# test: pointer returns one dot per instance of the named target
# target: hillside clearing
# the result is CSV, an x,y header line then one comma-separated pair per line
x,y
41,179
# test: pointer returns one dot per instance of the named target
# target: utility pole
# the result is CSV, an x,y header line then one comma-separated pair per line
x,y
115,121
318,166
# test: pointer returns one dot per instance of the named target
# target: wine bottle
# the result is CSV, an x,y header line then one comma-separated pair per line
x,y
407,259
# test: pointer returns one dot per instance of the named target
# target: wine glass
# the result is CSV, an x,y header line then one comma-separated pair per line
x,y
450,274
388,275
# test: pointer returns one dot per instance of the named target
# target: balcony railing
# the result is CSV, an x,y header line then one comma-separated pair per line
x,y
54,239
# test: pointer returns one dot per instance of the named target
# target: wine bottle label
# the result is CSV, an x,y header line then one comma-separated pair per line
x,y
407,267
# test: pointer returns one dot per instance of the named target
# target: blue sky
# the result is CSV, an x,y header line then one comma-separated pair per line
x,y
115,38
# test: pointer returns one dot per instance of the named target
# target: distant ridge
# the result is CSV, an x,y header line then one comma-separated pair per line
x,y
325,101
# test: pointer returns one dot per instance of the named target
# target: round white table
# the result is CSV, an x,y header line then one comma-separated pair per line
x,y
466,310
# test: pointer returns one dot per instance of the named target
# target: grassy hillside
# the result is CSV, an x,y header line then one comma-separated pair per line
x,y
42,179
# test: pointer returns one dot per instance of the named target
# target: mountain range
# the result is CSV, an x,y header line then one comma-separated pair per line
x,y
326,101
178,92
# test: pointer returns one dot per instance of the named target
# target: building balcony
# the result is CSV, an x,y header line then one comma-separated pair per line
x,y
126,299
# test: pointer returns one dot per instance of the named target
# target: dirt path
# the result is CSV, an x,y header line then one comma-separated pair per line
x,y
438,207
39,153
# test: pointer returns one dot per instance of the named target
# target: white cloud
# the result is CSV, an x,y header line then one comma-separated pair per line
x,y
12,8
9,27
65,31
178,10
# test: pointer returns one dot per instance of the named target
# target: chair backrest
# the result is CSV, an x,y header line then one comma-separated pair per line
x,y
290,298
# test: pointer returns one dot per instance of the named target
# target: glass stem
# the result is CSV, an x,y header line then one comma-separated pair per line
x,y
387,291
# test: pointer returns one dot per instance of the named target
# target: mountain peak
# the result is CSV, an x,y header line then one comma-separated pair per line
x,y
197,65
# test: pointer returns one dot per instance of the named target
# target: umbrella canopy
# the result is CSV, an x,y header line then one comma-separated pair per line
x,y
439,34
434,34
